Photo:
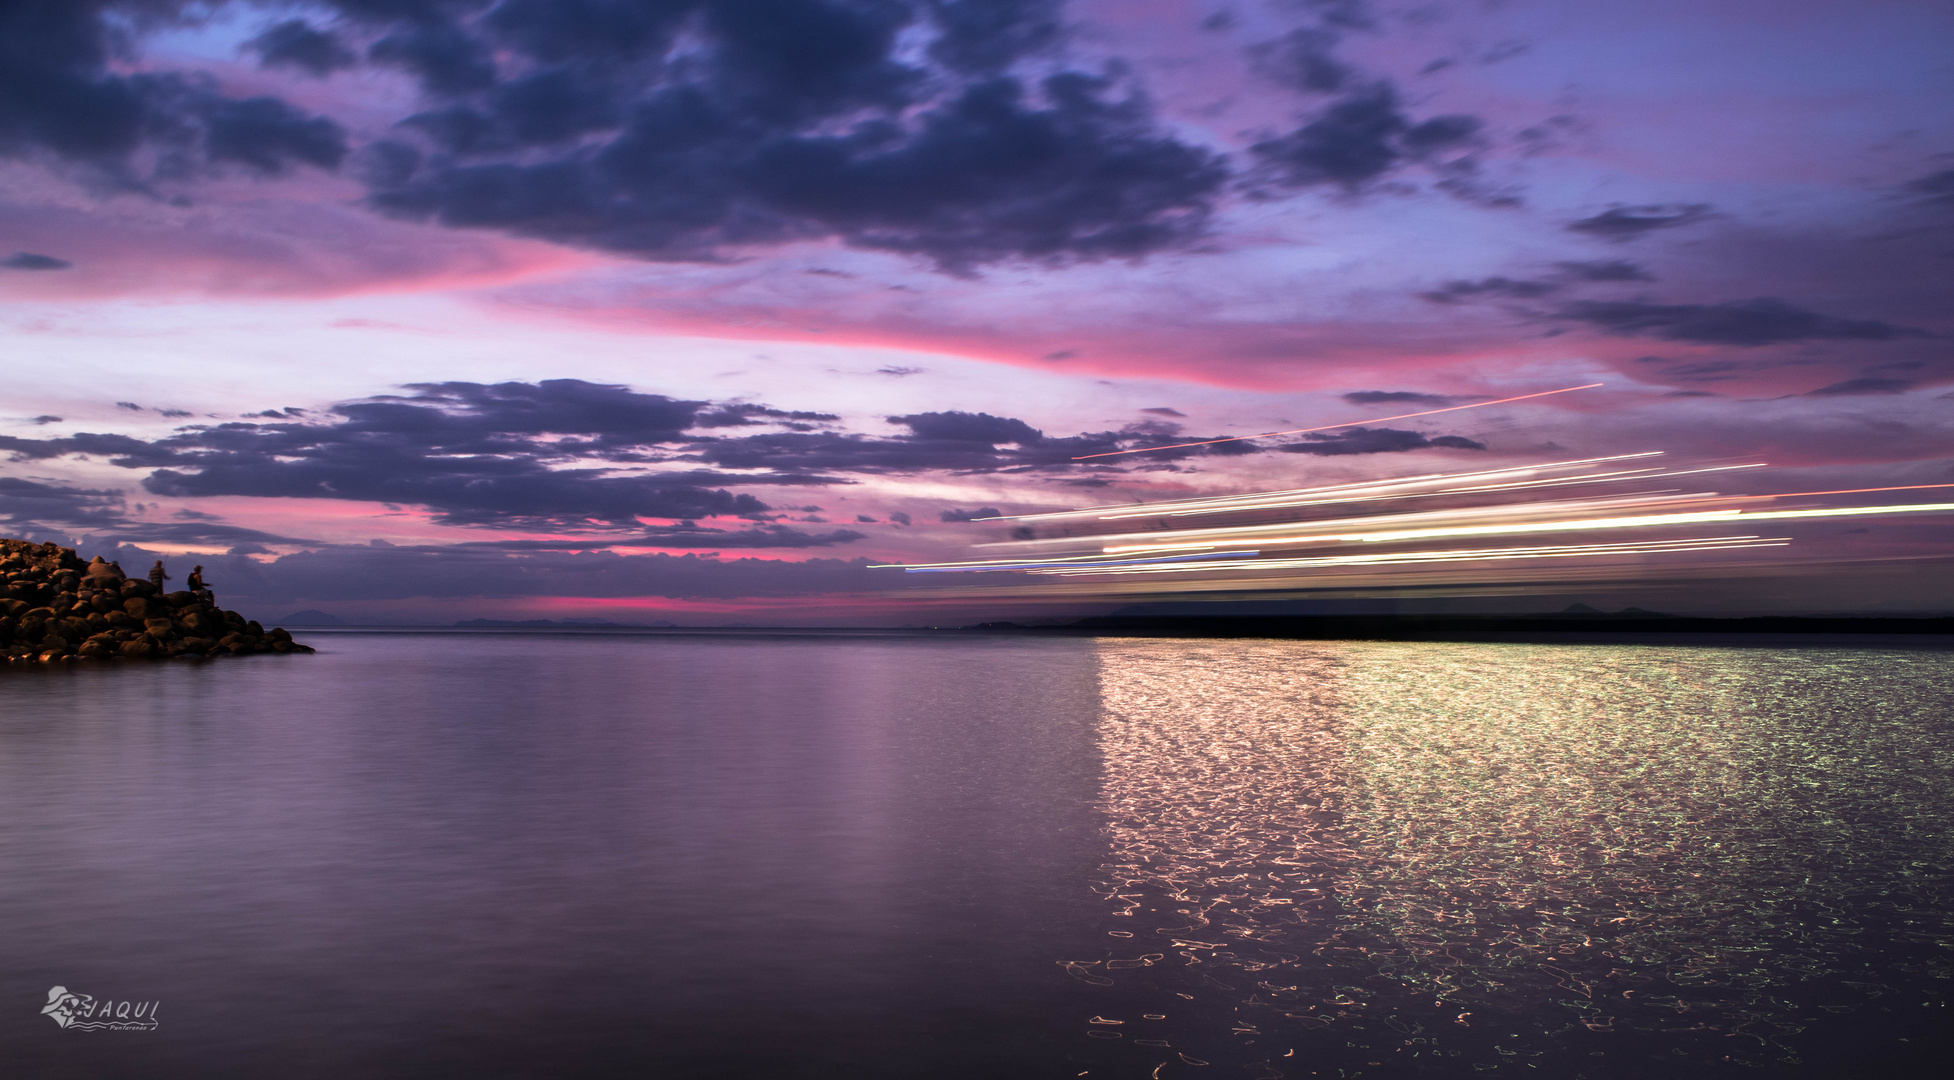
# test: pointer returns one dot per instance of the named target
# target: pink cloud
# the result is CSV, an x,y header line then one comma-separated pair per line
x,y
259,247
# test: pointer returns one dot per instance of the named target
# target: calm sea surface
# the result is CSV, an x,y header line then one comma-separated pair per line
x,y
860,855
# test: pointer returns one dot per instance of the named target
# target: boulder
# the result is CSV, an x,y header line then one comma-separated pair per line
x,y
56,607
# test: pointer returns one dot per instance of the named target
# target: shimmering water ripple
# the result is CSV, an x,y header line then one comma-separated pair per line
x,y
868,856
1412,859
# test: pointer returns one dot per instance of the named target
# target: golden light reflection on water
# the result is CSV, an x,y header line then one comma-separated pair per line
x,y
1479,856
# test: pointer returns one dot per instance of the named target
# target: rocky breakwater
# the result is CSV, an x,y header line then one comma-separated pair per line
x,y
58,608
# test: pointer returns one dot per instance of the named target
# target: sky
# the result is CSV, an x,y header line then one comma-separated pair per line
x,y
713,311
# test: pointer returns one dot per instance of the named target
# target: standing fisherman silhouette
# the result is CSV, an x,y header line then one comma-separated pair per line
x,y
157,575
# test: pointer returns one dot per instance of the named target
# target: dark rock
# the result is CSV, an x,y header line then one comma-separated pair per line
x,y
52,600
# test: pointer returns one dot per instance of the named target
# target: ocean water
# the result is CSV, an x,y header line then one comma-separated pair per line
x,y
896,855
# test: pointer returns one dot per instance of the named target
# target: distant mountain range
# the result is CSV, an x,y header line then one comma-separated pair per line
x,y
315,617
311,617
565,622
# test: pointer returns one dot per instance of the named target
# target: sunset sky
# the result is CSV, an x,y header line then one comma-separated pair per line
x,y
418,310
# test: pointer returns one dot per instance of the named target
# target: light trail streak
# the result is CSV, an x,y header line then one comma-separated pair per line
x,y
1300,531
1199,555
1410,558
1516,528
1428,486
1234,555
1426,479
1345,424
1243,560
1520,528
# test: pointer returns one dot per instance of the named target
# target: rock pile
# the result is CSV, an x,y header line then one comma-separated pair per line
x,y
59,608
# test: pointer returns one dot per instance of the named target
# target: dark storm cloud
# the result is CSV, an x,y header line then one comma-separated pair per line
x,y
1398,397
500,491
1366,133
29,507
1605,270
746,415
668,130
265,134
474,454
1359,139
1629,222
1454,292
990,35
676,129
954,130
568,455
25,503
950,517
683,535
125,450
970,427
959,442
60,96
27,260
1303,60
296,44
1360,440
989,174
446,59
1937,188
1763,321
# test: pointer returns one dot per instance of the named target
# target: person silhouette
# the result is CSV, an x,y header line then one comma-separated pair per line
x,y
195,583
158,575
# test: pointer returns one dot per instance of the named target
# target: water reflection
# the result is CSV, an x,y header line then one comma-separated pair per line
x,y
1439,859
